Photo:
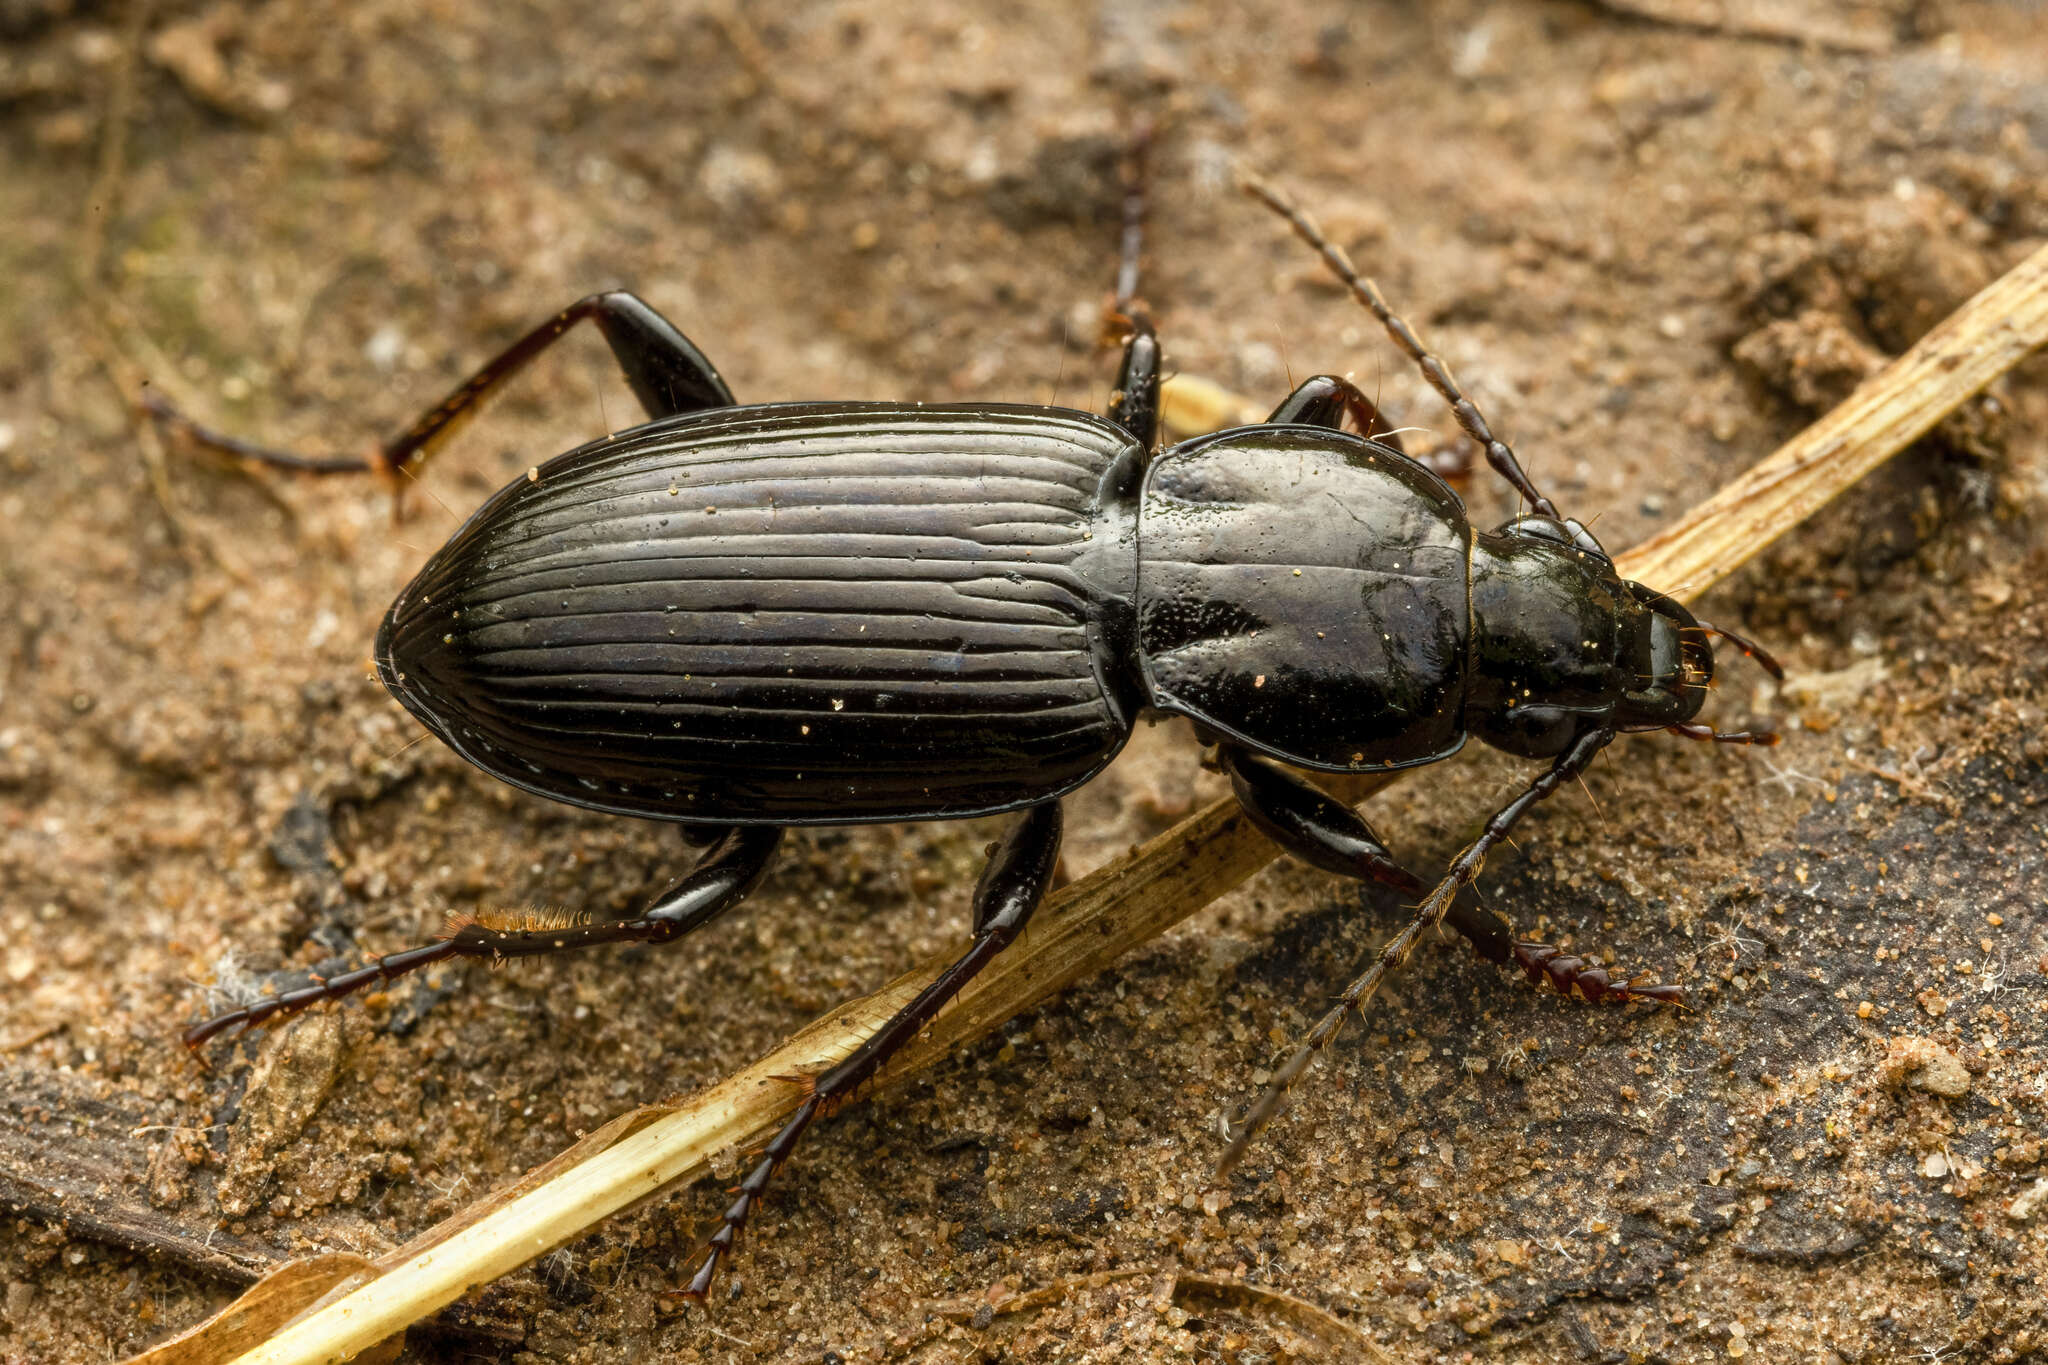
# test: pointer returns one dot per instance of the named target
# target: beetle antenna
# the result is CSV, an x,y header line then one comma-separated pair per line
x,y
1433,368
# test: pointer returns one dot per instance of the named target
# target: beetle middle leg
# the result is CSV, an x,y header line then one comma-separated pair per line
x,y
667,372
1134,404
728,873
1324,832
1011,886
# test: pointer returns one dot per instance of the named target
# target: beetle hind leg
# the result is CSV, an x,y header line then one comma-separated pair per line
x,y
668,374
727,874
1011,886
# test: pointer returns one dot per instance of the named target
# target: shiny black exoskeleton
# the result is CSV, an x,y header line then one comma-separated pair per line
x,y
832,614
746,618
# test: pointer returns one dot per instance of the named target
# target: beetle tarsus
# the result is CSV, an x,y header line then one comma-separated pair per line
x,y
1708,734
1131,238
1324,832
1571,975
667,373
1134,402
184,431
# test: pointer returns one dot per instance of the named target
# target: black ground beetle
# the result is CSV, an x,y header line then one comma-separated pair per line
x,y
751,617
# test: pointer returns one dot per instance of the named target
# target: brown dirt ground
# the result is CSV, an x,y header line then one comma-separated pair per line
x,y
1652,249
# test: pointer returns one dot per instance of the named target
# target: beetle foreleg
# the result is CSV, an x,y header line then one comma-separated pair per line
x,y
1010,888
1463,870
731,870
1324,832
1311,824
1570,974
1324,400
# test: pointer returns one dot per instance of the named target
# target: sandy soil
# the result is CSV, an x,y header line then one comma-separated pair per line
x,y
1653,242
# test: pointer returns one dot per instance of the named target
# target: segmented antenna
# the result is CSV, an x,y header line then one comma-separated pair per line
x,y
1567,973
1433,369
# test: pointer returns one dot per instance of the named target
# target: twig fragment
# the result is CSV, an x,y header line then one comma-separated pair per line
x,y
1762,20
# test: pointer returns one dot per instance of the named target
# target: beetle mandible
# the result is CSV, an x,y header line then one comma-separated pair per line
x,y
743,618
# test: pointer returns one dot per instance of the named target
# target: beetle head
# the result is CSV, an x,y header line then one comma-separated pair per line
x,y
1561,643
1673,686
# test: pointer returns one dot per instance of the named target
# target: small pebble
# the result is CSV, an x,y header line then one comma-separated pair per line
x,y
1925,1065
